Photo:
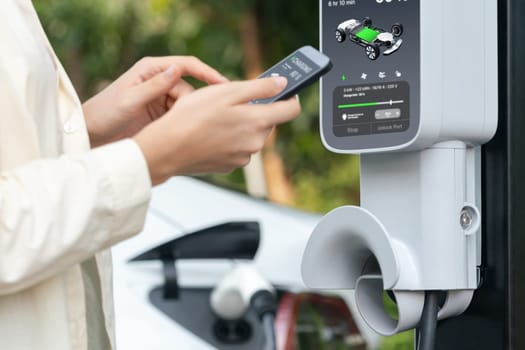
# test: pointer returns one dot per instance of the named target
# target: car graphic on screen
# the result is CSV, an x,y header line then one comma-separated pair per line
x,y
373,39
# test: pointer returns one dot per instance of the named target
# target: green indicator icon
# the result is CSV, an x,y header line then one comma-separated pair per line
x,y
343,77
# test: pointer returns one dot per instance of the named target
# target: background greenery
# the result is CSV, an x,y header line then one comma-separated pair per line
x,y
97,40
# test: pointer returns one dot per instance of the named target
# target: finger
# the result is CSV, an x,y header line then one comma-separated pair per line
x,y
242,92
182,88
273,113
194,67
189,66
160,85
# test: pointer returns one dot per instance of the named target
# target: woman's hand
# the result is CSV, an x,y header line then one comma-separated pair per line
x,y
141,95
214,129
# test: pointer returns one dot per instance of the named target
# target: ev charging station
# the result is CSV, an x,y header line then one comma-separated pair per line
x,y
413,90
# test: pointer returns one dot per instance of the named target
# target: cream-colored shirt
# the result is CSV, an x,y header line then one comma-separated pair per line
x,y
61,204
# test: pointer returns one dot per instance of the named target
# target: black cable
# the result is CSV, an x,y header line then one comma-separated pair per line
x,y
426,334
269,330
264,303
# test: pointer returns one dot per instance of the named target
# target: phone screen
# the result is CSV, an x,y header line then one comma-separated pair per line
x,y
297,68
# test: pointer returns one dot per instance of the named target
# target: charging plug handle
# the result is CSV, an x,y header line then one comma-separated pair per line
x,y
264,302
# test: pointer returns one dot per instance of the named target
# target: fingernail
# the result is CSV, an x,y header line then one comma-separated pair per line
x,y
170,72
280,82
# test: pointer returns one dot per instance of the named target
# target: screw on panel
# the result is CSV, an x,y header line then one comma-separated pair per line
x,y
466,219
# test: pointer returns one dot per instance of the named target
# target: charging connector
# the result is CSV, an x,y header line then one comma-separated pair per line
x,y
244,288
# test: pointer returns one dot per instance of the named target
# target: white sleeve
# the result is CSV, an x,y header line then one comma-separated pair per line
x,y
57,212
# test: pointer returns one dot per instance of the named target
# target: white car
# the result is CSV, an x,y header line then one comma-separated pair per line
x,y
160,304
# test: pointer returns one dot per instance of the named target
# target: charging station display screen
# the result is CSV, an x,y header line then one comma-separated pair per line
x,y
371,109
370,99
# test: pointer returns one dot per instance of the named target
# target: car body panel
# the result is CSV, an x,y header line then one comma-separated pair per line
x,y
184,205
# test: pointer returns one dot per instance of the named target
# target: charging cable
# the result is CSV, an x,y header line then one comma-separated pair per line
x,y
269,330
426,333
264,303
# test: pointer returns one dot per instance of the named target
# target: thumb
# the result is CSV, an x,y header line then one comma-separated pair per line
x,y
159,85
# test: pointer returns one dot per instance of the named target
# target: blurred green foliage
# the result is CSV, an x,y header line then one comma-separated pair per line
x,y
97,40
403,341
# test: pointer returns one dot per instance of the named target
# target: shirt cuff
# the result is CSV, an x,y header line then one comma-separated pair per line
x,y
129,185
127,172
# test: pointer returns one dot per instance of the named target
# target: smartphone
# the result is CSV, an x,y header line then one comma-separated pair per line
x,y
302,68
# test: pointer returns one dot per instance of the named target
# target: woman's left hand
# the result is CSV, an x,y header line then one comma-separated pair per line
x,y
141,95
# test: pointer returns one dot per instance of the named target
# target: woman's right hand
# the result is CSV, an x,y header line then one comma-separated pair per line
x,y
214,129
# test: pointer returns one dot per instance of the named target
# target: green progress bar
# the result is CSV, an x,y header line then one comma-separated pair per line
x,y
366,104
371,104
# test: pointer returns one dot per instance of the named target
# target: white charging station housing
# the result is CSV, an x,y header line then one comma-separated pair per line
x,y
448,59
418,129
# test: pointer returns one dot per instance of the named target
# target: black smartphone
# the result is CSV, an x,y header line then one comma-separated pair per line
x,y
302,68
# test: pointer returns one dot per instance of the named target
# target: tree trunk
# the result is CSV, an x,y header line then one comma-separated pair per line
x,y
276,185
